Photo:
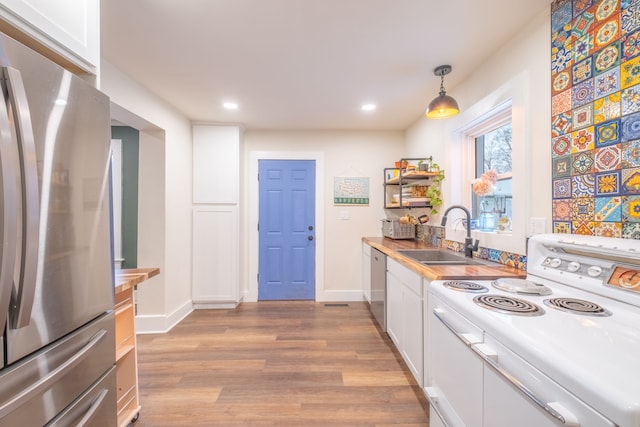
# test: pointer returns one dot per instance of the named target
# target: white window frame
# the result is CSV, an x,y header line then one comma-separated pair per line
x,y
507,100
492,123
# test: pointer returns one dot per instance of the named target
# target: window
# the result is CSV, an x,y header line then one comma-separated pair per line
x,y
507,105
492,188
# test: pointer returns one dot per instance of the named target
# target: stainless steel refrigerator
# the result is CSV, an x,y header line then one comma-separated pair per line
x,y
56,269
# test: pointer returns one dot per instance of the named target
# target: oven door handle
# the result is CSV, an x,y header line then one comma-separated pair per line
x,y
433,397
555,409
467,338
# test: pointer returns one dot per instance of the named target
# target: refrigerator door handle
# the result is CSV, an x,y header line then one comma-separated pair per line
x,y
47,381
8,175
24,295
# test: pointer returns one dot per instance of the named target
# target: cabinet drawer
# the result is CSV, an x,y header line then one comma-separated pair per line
x,y
411,279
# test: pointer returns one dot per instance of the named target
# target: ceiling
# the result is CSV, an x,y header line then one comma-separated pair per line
x,y
305,64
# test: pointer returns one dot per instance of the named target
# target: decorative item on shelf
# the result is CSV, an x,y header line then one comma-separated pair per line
x,y
443,106
419,190
402,164
504,224
424,165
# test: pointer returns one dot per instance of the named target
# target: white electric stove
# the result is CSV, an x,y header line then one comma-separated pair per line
x,y
559,348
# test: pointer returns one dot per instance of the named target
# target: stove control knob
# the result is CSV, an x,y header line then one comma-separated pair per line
x,y
553,262
573,266
594,271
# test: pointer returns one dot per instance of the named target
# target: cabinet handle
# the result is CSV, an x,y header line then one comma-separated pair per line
x,y
432,397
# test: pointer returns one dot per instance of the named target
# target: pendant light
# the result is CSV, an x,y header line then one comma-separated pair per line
x,y
442,106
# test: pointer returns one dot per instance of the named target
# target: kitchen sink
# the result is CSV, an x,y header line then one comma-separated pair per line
x,y
438,257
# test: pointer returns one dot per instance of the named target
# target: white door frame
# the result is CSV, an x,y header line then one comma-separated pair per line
x,y
253,211
116,196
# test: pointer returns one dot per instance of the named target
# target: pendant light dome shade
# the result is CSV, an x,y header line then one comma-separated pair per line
x,y
442,106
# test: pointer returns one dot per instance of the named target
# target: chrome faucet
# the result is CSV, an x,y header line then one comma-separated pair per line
x,y
469,246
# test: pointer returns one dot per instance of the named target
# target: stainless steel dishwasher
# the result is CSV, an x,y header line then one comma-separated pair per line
x,y
379,287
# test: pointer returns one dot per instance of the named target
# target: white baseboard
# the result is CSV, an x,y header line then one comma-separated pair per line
x,y
160,324
326,296
214,305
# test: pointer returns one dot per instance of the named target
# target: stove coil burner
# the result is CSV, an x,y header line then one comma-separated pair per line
x,y
578,306
521,286
465,286
508,305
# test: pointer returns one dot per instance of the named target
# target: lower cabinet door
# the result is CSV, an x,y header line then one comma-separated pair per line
x,y
412,342
394,310
215,256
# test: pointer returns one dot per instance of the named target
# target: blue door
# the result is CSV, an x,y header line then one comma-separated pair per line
x,y
287,248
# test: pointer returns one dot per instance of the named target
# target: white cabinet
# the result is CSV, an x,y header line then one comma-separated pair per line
x,y
216,164
366,272
216,222
68,28
404,315
215,257
394,308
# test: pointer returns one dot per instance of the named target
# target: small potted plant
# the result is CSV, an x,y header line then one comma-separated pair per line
x,y
424,165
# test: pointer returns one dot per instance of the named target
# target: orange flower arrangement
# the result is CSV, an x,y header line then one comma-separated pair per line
x,y
485,184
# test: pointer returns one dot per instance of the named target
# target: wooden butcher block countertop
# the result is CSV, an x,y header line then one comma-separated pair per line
x,y
130,277
489,271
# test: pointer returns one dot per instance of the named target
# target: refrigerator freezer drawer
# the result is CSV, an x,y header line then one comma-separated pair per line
x,y
37,389
94,408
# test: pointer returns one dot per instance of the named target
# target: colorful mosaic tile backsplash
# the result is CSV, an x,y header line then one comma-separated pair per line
x,y
436,236
595,124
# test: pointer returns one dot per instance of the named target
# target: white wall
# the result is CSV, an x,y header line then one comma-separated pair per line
x,y
524,61
342,153
164,238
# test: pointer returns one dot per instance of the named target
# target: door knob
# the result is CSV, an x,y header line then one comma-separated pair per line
x,y
310,227
310,237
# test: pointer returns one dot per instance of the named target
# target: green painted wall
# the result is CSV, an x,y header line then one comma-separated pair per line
x,y
130,151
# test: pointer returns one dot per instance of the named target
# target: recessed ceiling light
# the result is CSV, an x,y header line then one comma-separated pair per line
x,y
368,107
230,105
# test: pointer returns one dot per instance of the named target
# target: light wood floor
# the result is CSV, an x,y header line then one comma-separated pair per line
x,y
277,364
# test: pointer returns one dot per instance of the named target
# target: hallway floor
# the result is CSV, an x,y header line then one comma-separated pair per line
x,y
277,364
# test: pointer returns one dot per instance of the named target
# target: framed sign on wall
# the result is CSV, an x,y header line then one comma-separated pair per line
x,y
350,191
